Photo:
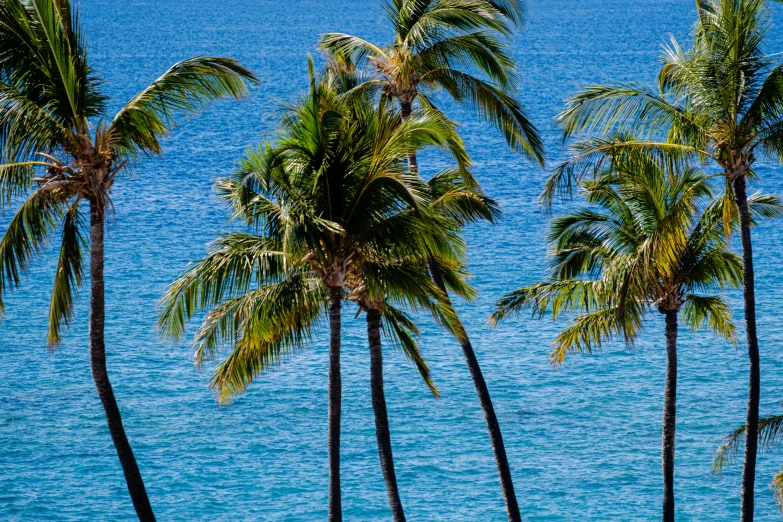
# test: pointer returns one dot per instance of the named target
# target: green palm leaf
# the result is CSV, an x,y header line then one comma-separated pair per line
x,y
186,87
27,234
69,275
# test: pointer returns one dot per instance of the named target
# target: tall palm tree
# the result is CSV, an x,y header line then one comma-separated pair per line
x,y
642,245
54,139
720,101
457,47
328,194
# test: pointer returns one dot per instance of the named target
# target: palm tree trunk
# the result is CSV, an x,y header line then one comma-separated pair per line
x,y
669,417
493,426
405,112
749,294
335,404
381,417
495,436
133,478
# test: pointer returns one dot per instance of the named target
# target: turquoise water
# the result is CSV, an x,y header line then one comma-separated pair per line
x,y
583,441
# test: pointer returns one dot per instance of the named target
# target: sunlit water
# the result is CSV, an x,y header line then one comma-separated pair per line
x,y
583,441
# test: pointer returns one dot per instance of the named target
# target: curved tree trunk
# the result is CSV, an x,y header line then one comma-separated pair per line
x,y
381,417
496,438
133,478
669,417
335,404
749,294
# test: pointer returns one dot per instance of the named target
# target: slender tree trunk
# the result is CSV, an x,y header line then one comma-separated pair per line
x,y
98,364
493,426
495,436
669,417
381,417
405,112
335,404
749,293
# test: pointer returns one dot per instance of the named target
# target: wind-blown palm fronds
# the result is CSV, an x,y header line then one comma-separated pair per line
x,y
333,210
457,47
651,239
721,101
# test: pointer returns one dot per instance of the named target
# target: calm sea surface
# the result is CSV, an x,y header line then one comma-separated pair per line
x,y
583,441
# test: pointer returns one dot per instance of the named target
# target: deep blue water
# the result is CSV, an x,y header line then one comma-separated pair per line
x,y
583,441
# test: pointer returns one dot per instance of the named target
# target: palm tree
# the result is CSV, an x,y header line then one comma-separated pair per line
x,y
53,138
642,245
720,101
330,193
770,432
457,47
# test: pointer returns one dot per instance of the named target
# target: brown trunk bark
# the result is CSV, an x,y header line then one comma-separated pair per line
x,y
495,436
749,294
133,478
335,404
669,417
405,112
381,417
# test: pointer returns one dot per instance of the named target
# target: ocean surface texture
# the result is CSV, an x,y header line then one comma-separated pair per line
x,y
583,441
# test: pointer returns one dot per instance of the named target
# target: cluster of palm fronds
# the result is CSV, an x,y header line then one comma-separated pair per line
x,y
334,205
654,238
340,212
336,211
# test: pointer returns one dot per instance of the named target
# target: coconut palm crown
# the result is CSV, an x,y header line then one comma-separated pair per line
x,y
643,244
456,47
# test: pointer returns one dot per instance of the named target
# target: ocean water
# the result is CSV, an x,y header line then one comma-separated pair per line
x,y
583,441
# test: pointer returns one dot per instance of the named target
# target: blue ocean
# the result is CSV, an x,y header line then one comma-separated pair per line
x,y
583,440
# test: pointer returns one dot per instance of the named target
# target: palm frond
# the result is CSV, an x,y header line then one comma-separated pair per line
x,y
27,234
69,275
494,105
777,489
44,55
232,264
187,86
710,310
593,155
402,331
770,433
460,202
590,331
27,126
263,327
555,295
16,178
340,44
